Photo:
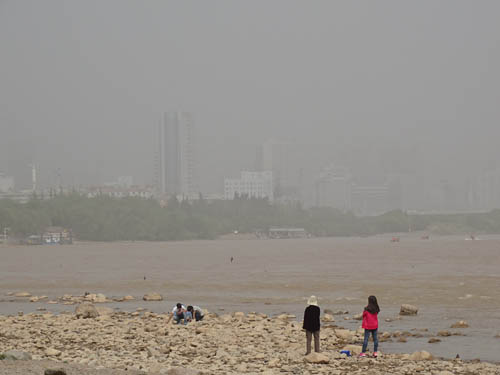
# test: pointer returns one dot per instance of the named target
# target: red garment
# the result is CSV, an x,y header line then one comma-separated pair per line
x,y
370,321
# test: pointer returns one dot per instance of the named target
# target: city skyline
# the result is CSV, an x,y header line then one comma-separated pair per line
x,y
386,90
337,186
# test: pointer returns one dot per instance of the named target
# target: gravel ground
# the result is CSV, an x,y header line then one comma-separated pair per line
x,y
9,367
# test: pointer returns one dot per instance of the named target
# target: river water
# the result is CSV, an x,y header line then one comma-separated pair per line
x,y
448,278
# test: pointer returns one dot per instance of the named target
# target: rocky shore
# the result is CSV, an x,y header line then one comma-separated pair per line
x,y
101,341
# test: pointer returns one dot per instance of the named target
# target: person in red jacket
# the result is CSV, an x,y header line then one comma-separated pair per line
x,y
370,324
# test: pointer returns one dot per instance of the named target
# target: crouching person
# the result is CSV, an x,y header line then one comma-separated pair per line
x,y
196,312
179,313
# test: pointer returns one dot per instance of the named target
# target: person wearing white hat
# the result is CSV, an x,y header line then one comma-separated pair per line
x,y
312,324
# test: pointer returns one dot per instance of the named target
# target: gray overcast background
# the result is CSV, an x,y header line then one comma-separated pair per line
x,y
380,86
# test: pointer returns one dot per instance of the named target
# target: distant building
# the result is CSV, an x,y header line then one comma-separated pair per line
x,y
489,190
7,190
120,192
250,184
211,197
276,156
333,188
287,233
175,164
122,182
23,196
369,199
125,181
6,183
56,235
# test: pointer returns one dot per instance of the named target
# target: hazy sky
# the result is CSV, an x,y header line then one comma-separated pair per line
x,y
372,84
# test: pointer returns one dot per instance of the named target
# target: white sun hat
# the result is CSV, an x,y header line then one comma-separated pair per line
x,y
312,301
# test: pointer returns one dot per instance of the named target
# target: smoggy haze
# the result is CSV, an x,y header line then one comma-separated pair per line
x,y
380,87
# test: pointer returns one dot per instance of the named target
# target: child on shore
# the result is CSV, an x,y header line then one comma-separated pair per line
x,y
370,324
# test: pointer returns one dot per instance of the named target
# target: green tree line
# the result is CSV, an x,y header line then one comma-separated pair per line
x,y
110,219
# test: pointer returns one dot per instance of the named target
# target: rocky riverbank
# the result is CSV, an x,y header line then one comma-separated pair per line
x,y
234,343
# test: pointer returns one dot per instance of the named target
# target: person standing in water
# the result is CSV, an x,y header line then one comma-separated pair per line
x,y
370,324
312,324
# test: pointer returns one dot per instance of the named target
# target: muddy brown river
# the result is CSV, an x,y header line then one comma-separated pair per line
x,y
448,278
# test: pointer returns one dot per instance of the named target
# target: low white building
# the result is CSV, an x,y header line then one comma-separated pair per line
x,y
250,184
120,192
125,181
6,183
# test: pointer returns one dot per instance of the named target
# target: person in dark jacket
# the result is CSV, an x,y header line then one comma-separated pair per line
x,y
312,324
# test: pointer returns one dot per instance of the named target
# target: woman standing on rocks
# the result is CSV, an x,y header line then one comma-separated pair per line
x,y
370,324
312,324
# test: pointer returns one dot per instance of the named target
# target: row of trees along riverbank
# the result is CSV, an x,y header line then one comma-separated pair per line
x,y
110,219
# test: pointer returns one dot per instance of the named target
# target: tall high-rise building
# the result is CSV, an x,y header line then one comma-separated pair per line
x,y
277,157
333,188
489,190
175,164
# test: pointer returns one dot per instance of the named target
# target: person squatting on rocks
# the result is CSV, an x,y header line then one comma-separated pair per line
x,y
370,324
312,324
196,312
179,313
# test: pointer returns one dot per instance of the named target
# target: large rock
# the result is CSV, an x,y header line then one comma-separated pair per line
x,y
328,318
51,352
460,324
444,333
58,371
316,358
22,294
344,334
274,362
183,371
408,310
103,310
100,298
421,356
17,355
95,298
86,310
153,297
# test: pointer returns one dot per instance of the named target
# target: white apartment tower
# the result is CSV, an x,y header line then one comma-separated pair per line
x,y
175,175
